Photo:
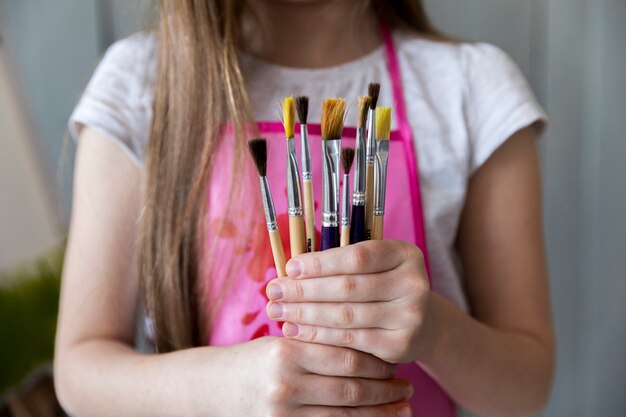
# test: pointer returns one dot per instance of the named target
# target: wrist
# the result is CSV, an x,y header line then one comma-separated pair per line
x,y
433,331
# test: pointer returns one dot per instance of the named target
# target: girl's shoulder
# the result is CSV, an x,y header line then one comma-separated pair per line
x,y
118,98
450,59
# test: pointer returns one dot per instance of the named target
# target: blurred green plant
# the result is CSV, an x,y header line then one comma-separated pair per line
x,y
29,304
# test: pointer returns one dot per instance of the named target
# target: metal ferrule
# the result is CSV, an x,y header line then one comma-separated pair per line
x,y
345,201
330,173
371,133
358,198
306,153
380,176
268,205
294,196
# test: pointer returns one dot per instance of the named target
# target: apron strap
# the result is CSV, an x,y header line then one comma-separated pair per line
x,y
393,66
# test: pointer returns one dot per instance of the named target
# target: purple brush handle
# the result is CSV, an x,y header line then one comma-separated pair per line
x,y
330,237
357,228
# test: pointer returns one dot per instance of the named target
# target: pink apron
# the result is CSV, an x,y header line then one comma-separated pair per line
x,y
236,231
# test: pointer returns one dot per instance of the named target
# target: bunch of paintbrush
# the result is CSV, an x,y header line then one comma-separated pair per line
x,y
347,157
333,116
368,198
302,107
297,236
373,91
258,150
383,132
357,227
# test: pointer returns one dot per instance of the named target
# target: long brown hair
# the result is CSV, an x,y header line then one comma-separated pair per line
x,y
199,88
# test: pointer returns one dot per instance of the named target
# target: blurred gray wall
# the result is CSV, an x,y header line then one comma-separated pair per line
x,y
574,54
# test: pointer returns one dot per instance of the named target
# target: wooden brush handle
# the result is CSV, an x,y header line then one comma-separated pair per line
x,y
345,236
309,216
377,227
279,253
297,236
369,200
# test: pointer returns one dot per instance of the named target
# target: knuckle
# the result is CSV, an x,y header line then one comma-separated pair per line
x,y
281,351
317,266
346,338
352,362
354,393
298,290
311,334
414,315
414,253
359,255
280,391
346,315
349,287
299,313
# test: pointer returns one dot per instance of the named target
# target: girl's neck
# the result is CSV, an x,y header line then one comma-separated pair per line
x,y
309,34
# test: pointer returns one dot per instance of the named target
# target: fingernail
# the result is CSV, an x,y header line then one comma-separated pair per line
x,y
406,412
408,392
274,292
294,269
290,330
275,311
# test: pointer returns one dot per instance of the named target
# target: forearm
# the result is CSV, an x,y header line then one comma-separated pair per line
x,y
488,371
106,377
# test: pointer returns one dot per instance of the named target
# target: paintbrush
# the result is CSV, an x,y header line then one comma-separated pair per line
x,y
347,157
333,115
357,228
373,91
302,108
297,236
383,129
258,150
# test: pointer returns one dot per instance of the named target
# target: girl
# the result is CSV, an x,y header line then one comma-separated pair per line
x,y
166,210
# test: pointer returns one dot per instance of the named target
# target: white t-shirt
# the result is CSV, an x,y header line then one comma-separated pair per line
x,y
463,101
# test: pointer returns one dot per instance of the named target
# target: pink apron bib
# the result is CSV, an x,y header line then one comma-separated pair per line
x,y
239,315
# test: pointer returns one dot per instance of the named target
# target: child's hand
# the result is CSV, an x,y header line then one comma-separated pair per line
x,y
283,377
372,296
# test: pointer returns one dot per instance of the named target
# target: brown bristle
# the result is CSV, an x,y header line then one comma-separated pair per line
x,y
347,158
363,105
333,116
302,107
373,90
258,150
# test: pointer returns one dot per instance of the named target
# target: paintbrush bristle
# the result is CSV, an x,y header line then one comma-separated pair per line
x,y
363,105
383,123
333,116
289,117
373,90
302,108
347,158
258,150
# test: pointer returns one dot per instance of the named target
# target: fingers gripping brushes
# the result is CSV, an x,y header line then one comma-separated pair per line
x,y
302,108
383,129
297,237
373,91
333,116
347,157
258,150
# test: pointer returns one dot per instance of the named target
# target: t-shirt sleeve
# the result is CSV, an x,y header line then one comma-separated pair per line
x,y
118,99
499,101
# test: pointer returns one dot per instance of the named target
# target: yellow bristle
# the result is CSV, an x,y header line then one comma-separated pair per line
x,y
289,117
363,106
383,123
333,116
